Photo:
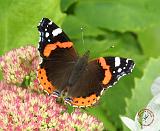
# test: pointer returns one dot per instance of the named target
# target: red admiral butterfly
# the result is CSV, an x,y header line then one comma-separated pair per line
x,y
62,69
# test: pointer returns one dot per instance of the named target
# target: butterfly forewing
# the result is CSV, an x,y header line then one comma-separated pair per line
x,y
58,56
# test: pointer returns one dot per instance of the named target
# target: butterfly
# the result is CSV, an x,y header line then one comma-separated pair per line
x,y
63,70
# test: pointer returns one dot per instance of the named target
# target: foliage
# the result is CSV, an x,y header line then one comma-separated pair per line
x,y
19,21
135,102
131,26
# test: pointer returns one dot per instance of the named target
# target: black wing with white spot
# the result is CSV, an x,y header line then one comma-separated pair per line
x,y
50,33
119,67
58,57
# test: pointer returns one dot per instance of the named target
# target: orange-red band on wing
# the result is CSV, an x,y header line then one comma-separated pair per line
x,y
106,67
84,102
44,82
48,49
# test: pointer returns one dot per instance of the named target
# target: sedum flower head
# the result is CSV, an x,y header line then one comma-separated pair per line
x,y
18,63
22,109
19,66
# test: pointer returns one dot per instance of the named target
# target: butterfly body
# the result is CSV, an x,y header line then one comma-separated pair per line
x,y
62,69
78,69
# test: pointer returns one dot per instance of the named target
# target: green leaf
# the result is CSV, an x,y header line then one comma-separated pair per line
x,y
113,101
65,4
126,46
141,94
150,41
19,20
99,41
26,81
72,26
70,109
119,15
97,48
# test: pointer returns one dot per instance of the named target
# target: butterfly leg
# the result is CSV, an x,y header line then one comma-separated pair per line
x,y
55,94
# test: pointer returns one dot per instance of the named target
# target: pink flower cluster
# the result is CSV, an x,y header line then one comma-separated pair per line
x,y
21,109
18,63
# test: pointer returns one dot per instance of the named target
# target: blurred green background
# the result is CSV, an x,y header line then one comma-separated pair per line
x,y
133,27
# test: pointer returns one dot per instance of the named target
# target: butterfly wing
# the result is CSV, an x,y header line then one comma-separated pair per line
x,y
99,75
114,68
58,56
50,33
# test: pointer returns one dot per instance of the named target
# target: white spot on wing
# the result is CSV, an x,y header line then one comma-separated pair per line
x,y
41,60
47,34
50,23
57,31
119,70
101,91
117,61
127,60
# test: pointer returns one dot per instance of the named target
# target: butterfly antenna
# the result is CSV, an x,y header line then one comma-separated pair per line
x,y
83,38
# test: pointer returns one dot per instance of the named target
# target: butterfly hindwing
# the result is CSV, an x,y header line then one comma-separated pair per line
x,y
88,88
99,75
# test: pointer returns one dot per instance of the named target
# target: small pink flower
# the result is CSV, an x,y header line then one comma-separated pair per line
x,y
35,108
